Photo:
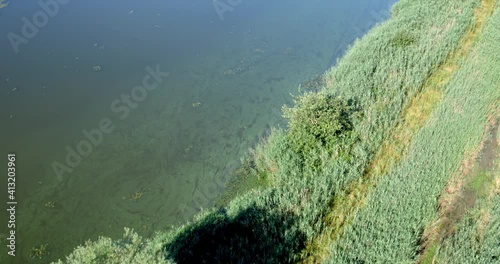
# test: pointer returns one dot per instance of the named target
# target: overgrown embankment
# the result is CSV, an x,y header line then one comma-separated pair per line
x,y
394,147
467,224
334,138
390,225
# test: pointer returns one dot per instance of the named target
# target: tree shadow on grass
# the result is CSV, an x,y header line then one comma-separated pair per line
x,y
255,235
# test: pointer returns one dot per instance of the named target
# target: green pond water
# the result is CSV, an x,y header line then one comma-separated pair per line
x,y
174,151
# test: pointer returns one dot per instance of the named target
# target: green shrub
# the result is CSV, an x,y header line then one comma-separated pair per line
x,y
320,120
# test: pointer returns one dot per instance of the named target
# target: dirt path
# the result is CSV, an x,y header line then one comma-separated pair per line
x,y
474,181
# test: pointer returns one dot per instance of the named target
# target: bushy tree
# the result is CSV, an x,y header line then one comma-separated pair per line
x,y
320,120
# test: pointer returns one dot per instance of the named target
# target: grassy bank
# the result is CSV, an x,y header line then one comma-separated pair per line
x,y
394,217
394,147
386,87
474,237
